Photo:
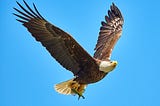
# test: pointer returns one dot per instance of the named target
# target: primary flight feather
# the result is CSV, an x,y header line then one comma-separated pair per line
x,y
69,53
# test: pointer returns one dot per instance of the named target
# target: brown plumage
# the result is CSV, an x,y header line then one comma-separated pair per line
x,y
69,53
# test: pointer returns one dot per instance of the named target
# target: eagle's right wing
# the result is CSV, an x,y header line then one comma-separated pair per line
x,y
109,34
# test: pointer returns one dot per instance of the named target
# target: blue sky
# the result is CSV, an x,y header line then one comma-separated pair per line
x,y
28,73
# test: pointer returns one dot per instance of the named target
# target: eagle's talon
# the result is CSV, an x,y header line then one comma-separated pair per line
x,y
79,96
78,93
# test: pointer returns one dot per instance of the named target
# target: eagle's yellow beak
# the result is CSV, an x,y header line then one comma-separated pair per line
x,y
114,63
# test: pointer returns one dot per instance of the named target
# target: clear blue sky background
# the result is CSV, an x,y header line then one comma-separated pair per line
x,y
28,73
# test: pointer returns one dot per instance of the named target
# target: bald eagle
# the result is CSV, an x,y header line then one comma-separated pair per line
x,y
69,53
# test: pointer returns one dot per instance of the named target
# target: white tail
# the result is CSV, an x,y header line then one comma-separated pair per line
x,y
64,87
68,86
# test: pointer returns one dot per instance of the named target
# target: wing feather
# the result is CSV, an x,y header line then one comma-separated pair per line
x,y
59,43
110,31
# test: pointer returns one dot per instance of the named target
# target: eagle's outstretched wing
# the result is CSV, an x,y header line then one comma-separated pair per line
x,y
59,43
109,34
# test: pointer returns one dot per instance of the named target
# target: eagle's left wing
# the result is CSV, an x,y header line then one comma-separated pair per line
x,y
59,44
109,34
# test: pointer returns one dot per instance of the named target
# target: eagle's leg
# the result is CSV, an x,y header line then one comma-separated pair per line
x,y
79,90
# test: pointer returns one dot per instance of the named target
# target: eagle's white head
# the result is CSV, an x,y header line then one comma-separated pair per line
x,y
107,66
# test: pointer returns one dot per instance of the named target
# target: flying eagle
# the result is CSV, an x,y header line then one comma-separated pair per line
x,y
69,53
